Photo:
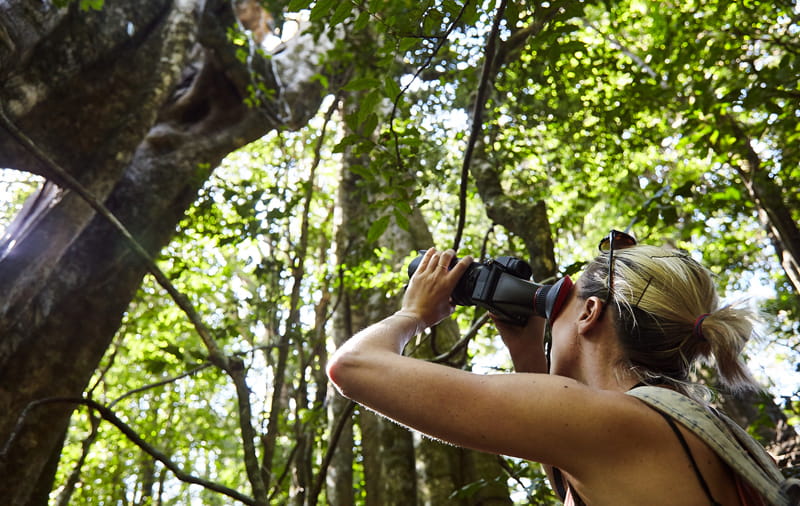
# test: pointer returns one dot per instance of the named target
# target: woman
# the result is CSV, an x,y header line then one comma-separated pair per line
x,y
638,315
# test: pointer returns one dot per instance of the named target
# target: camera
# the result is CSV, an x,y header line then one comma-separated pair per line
x,y
502,286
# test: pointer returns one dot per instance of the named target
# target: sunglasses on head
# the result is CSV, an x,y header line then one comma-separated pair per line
x,y
557,294
614,240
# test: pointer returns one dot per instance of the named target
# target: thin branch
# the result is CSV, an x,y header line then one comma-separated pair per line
x,y
332,444
190,372
511,472
161,383
615,43
68,489
436,49
109,416
477,118
284,473
239,376
100,377
276,403
468,336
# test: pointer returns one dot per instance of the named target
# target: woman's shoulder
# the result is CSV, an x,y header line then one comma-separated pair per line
x,y
656,455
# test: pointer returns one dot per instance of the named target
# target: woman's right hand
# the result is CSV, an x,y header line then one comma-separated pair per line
x,y
524,343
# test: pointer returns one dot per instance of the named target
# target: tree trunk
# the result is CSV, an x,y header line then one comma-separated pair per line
x,y
387,449
769,200
444,470
137,102
346,321
769,422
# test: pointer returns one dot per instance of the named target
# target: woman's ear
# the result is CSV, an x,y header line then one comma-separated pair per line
x,y
590,316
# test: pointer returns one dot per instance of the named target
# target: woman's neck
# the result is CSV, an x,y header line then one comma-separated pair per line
x,y
603,366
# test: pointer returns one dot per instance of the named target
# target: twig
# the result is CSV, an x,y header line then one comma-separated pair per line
x,y
190,372
468,335
638,60
511,472
286,468
157,384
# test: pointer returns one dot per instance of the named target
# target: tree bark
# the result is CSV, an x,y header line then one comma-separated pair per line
x,y
525,219
138,102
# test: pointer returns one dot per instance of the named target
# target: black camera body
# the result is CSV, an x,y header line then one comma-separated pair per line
x,y
502,286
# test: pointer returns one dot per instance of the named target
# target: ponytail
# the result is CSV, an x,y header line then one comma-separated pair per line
x,y
726,331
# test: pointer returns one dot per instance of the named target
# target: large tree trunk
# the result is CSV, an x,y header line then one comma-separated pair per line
x,y
137,102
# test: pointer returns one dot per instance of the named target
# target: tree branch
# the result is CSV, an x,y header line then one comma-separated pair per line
x,y
234,368
109,416
159,383
468,335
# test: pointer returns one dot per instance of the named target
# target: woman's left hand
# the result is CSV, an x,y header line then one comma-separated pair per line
x,y
428,293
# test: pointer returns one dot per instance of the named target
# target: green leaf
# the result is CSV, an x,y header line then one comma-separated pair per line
x,y
407,43
402,206
402,219
95,5
361,170
367,106
341,13
730,193
377,228
349,140
361,22
391,88
362,83
298,5
370,123
322,8
323,80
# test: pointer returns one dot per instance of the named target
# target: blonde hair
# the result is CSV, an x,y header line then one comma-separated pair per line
x,y
667,317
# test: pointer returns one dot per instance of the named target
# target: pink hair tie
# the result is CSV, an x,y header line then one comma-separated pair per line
x,y
698,326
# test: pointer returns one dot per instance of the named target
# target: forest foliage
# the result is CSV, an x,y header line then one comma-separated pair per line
x,y
636,112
